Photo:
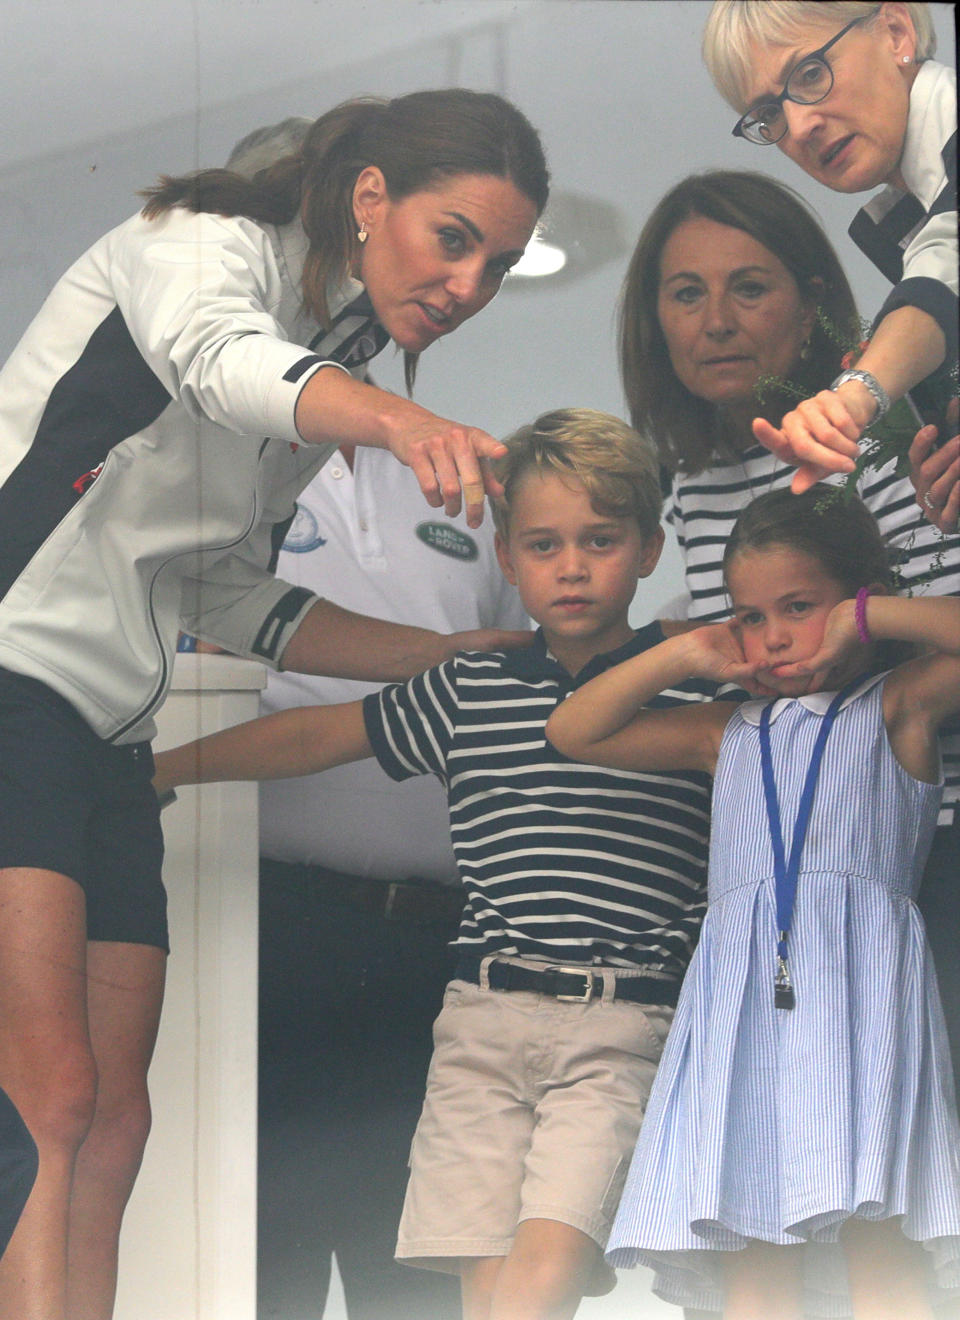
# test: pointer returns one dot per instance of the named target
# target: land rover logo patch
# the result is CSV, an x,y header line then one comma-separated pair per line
x,y
303,534
448,540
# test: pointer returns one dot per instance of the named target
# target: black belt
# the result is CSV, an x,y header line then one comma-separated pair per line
x,y
395,900
567,983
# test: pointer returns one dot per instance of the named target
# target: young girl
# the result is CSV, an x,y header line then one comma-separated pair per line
x,y
805,1093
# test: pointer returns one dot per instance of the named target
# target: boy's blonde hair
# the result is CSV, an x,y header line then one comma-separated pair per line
x,y
616,466
735,26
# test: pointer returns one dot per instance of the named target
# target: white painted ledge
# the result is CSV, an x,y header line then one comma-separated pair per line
x,y
188,1247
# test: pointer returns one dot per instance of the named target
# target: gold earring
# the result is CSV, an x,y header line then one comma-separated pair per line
x,y
362,232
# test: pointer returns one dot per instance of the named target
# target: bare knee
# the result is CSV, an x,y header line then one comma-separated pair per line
x,y
118,1134
548,1271
886,1271
762,1280
478,1282
554,1278
58,1102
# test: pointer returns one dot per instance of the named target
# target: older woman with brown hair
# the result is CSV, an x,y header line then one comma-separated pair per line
x,y
138,495
732,281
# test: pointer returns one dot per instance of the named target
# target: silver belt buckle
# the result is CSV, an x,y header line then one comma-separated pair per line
x,y
588,977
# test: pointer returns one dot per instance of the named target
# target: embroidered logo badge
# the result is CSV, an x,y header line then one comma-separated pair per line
x,y
304,533
448,540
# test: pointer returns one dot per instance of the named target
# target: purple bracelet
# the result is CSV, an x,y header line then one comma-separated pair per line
x,y
860,616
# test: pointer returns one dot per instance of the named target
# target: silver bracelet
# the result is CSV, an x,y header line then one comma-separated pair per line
x,y
880,396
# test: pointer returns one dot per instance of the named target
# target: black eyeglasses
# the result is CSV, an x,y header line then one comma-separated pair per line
x,y
807,83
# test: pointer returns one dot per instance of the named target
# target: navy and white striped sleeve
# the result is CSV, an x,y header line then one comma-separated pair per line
x,y
411,725
927,562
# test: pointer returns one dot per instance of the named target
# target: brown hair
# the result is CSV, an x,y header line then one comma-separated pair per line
x,y
415,140
833,528
616,466
838,531
690,432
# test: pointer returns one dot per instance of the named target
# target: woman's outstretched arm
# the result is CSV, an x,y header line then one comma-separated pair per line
x,y
821,434
448,459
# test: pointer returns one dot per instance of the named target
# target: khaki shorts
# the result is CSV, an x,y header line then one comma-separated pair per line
x,y
532,1112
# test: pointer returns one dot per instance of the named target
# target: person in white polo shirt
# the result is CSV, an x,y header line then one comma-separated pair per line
x,y
359,898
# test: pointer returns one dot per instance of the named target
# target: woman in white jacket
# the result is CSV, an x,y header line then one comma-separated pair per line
x,y
182,382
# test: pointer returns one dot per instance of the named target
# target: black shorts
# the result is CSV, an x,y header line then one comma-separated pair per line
x,y
72,803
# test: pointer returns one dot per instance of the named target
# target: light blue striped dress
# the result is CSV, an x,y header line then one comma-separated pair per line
x,y
778,1125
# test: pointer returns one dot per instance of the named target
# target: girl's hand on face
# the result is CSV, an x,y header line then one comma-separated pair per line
x,y
716,653
819,436
830,666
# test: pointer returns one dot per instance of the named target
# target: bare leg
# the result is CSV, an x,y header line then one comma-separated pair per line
x,y
124,995
885,1272
546,1274
478,1282
48,1070
761,1281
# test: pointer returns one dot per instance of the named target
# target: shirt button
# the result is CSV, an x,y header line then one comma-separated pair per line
x,y
336,473
364,525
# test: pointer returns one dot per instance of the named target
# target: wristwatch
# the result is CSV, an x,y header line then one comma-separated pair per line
x,y
880,396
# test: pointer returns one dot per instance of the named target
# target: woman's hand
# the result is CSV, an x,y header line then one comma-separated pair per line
x,y
485,639
820,435
449,459
935,474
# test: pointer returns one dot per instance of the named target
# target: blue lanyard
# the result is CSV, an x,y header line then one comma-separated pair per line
x,y
785,869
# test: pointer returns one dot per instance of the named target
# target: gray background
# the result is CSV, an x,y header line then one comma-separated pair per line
x,y
100,98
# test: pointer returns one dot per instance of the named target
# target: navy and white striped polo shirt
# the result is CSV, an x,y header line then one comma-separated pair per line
x,y
561,861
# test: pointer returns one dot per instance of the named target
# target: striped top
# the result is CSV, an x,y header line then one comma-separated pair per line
x,y
910,234
560,861
703,508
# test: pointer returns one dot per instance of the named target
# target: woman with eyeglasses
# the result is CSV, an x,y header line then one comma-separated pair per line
x,y
850,92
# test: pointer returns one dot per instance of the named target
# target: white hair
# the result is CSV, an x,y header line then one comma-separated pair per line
x,y
734,27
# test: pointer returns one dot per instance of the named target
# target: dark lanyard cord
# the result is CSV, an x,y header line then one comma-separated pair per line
x,y
786,870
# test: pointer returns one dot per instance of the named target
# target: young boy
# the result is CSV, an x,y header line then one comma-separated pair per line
x,y
584,887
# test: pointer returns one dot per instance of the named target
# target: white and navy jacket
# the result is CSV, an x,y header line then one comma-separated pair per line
x,y
911,237
149,460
